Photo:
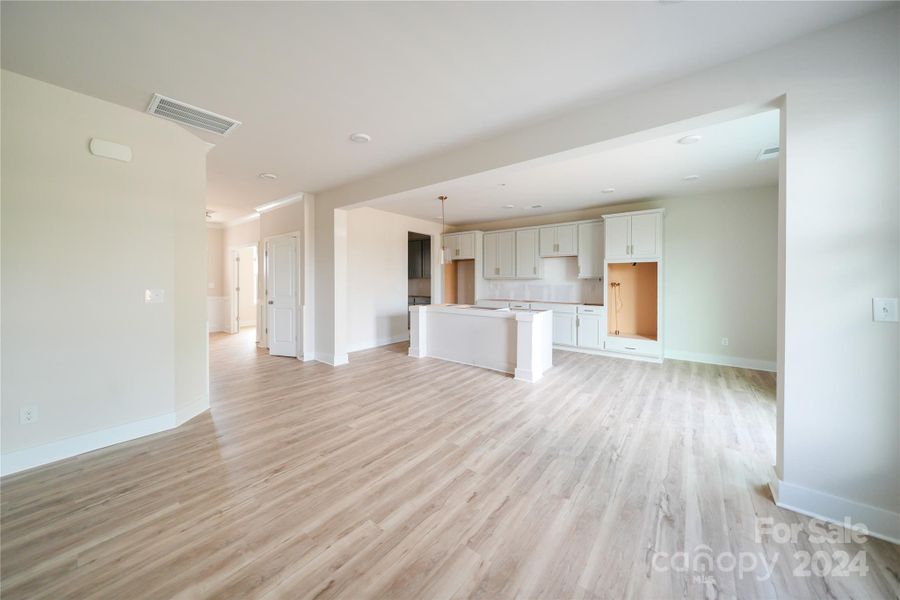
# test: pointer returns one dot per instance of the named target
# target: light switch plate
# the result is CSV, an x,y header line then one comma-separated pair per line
x,y
884,309
154,296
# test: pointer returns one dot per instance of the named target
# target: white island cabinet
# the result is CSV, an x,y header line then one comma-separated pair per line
x,y
512,341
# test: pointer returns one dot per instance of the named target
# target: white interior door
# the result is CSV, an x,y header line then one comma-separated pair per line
x,y
281,295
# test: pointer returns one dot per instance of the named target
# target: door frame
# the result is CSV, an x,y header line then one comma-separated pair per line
x,y
233,309
262,334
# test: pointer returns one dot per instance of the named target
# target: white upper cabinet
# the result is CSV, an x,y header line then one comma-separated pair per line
x,y
590,250
618,236
460,246
491,256
632,236
507,252
559,240
500,255
528,262
645,234
465,246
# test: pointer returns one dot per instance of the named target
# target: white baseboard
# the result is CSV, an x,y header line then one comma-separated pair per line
x,y
335,360
200,405
403,337
721,359
28,458
608,354
526,375
307,356
494,366
880,523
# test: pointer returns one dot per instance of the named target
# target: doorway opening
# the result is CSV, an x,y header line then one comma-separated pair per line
x,y
418,266
244,292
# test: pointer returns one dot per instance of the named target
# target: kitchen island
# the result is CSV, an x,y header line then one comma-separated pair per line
x,y
512,341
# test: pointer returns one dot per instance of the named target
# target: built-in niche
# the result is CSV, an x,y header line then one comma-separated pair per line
x,y
632,300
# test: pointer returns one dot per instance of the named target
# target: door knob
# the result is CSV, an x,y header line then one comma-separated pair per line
x,y
271,302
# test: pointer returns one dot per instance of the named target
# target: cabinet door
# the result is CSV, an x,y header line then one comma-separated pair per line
x,y
566,240
590,331
451,245
491,255
564,331
527,261
465,246
507,253
426,258
547,241
414,259
590,250
617,237
644,236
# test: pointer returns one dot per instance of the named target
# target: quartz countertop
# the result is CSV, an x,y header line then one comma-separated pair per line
x,y
542,301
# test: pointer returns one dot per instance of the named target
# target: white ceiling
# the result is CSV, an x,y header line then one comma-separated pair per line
x,y
417,76
725,158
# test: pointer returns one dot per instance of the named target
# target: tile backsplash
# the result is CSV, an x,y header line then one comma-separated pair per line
x,y
559,284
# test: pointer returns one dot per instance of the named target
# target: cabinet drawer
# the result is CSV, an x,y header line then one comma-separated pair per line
x,y
632,346
524,305
568,309
591,310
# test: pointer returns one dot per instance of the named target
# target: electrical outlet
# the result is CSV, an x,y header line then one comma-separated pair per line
x,y
724,341
884,309
28,414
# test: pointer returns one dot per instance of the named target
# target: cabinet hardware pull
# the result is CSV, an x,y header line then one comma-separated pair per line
x,y
630,348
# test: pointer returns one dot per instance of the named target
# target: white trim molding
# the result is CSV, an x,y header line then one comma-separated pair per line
x,y
387,341
241,220
197,407
332,359
29,458
879,523
287,200
217,311
721,359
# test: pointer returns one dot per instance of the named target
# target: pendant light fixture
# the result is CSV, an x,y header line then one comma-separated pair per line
x,y
444,258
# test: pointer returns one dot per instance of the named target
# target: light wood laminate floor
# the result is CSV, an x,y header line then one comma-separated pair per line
x,y
401,478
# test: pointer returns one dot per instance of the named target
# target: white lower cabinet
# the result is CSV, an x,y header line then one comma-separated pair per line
x,y
565,329
636,346
591,327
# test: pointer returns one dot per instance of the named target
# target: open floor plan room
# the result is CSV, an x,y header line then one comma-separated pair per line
x,y
397,478
423,300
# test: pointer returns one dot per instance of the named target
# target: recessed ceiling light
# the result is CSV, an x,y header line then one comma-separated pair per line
x,y
508,206
360,138
608,190
691,177
268,176
690,139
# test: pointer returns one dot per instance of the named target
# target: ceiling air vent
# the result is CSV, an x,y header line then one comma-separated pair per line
x,y
767,153
182,112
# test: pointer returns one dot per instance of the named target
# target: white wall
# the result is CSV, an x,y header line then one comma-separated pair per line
x,y
247,284
838,452
215,261
719,279
82,238
377,281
